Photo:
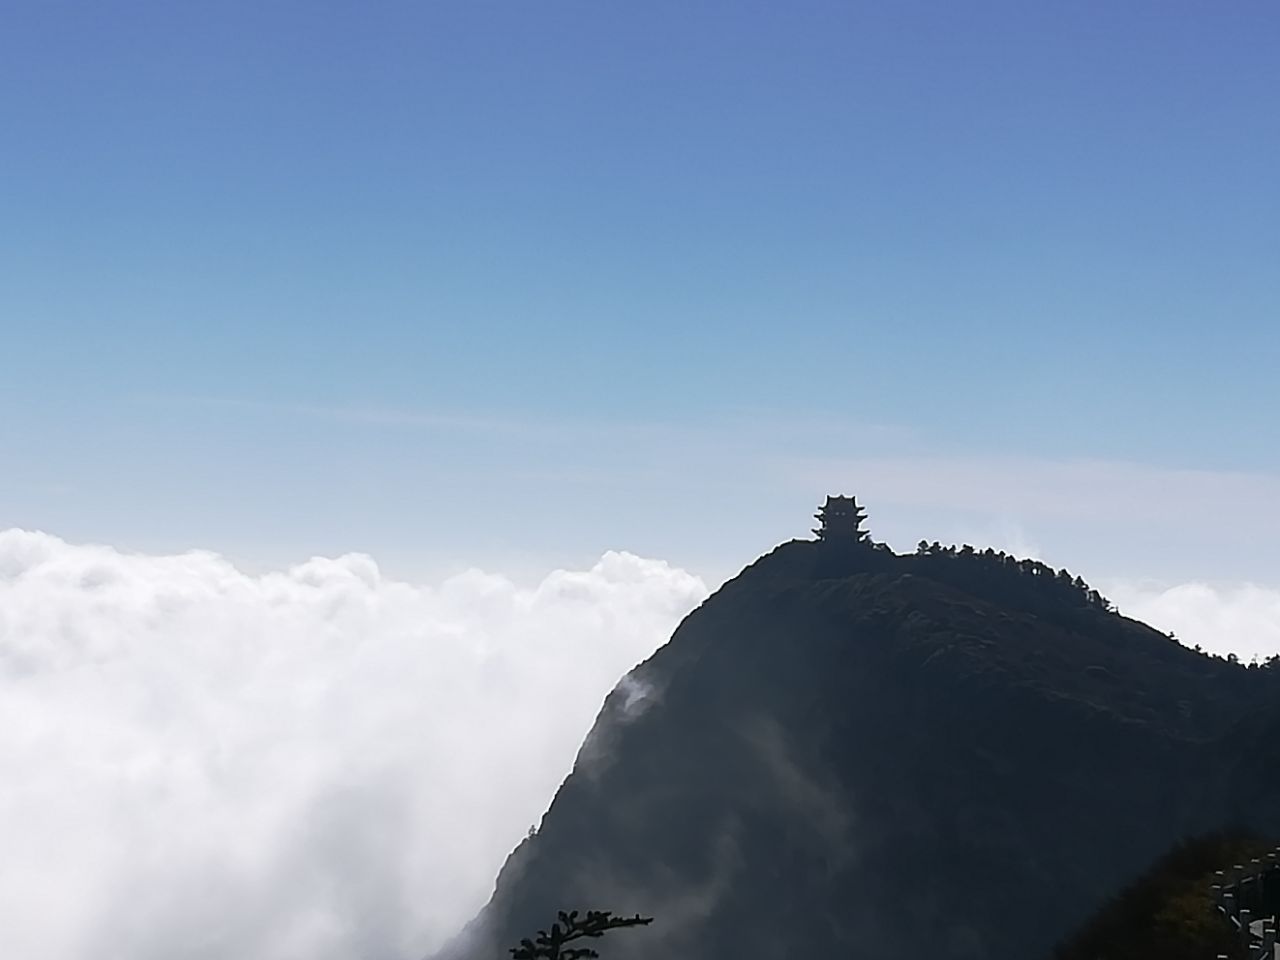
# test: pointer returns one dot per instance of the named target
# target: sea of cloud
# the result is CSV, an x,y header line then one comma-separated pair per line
x,y
321,762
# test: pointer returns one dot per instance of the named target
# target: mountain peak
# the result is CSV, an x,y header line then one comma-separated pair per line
x,y
953,747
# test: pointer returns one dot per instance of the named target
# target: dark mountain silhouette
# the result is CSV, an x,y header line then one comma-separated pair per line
x,y
851,753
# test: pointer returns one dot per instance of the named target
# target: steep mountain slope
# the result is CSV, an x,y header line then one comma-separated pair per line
x,y
845,752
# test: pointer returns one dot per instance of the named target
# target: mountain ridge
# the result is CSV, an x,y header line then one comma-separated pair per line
x,y
894,747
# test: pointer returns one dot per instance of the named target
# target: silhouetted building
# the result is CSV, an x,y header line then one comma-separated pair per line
x,y
840,521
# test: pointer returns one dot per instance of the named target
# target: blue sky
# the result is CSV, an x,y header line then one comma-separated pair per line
x,y
513,284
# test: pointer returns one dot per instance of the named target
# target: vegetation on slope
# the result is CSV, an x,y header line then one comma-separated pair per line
x,y
1169,911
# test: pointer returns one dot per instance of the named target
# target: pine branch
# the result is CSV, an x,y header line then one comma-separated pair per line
x,y
551,944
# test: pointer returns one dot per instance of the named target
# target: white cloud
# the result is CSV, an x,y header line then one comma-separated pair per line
x,y
1244,619
199,763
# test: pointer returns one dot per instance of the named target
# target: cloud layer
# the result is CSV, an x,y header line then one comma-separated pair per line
x,y
321,762
1243,619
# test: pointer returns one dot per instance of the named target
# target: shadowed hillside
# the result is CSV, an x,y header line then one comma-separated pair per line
x,y
846,752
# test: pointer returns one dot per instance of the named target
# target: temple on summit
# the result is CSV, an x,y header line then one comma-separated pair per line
x,y
840,521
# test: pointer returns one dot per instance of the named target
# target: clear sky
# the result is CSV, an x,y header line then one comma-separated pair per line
x,y
502,283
